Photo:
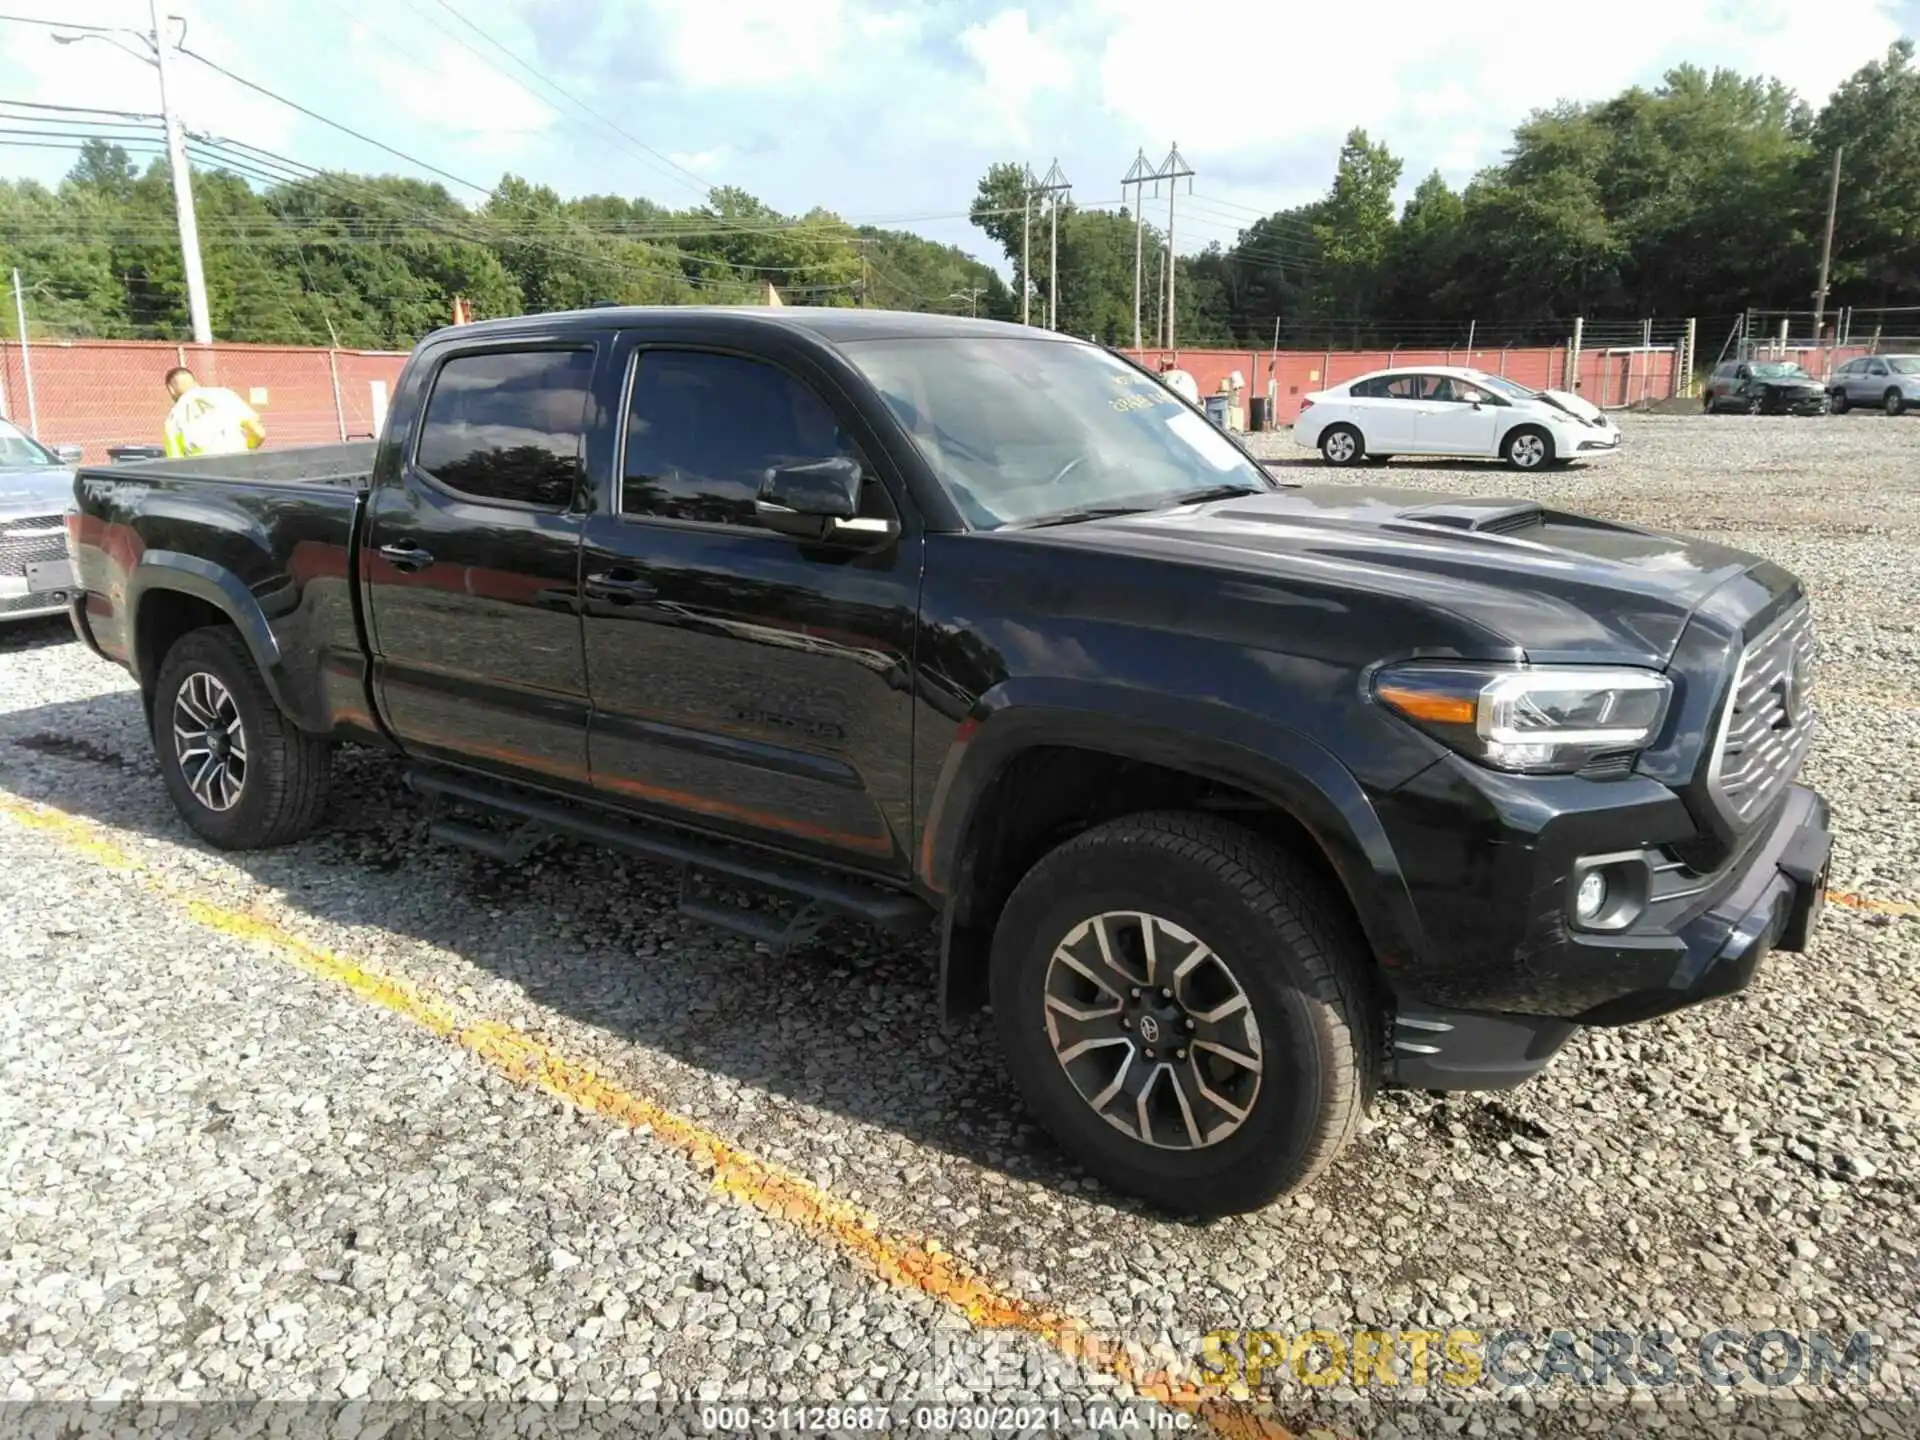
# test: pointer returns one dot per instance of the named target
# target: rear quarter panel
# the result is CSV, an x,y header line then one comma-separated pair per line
x,y
273,557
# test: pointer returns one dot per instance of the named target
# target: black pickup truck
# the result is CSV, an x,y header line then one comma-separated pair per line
x,y
1234,798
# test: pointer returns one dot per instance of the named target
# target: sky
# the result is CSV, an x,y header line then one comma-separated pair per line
x,y
889,112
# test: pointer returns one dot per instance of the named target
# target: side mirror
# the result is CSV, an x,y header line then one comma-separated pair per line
x,y
819,501
68,454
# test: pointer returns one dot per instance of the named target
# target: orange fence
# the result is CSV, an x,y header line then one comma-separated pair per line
x,y
102,393
1607,377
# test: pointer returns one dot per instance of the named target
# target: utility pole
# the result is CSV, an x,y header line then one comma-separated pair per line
x,y
1137,176
1173,170
26,355
1053,185
182,190
972,296
1027,183
1826,248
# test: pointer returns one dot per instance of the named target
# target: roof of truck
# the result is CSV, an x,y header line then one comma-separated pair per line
x,y
831,323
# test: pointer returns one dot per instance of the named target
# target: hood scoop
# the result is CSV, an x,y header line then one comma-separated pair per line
x,y
1508,518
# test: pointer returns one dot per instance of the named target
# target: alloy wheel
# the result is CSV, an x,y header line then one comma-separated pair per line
x,y
1153,1030
209,741
1529,451
1340,447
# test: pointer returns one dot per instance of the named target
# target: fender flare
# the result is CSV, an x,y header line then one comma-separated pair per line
x,y
172,570
1283,767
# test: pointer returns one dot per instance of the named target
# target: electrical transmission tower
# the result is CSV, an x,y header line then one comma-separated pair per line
x,y
1173,170
1053,185
1137,176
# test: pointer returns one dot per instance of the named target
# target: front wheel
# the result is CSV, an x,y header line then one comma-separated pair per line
x,y
240,773
1528,448
1342,445
1895,402
1838,403
1182,1005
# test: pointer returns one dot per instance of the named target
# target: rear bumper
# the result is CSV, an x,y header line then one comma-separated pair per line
x,y
1770,899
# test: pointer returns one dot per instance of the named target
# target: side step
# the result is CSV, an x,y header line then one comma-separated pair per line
x,y
814,890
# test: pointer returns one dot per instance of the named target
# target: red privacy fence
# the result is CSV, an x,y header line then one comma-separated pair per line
x,y
101,393
1606,377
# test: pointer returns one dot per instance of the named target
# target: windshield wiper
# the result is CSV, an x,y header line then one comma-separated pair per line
x,y
1215,492
1070,517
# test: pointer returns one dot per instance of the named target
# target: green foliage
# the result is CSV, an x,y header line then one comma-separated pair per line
x,y
376,262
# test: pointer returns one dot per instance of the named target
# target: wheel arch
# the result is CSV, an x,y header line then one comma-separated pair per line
x,y
170,594
1024,781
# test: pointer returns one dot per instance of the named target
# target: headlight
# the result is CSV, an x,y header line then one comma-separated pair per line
x,y
1539,721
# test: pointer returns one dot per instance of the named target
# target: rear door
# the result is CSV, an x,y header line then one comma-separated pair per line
x,y
473,553
744,681
1391,418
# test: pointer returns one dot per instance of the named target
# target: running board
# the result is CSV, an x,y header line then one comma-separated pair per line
x,y
888,910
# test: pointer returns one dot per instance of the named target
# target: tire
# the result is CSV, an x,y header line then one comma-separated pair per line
x,y
1756,405
1895,403
1342,445
1706,403
1837,403
1285,945
1527,447
280,787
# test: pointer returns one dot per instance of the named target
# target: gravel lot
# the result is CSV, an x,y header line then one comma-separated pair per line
x,y
229,1175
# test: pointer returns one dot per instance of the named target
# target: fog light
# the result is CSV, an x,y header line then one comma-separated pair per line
x,y
1592,898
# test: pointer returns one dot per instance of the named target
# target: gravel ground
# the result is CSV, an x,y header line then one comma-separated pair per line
x,y
227,1177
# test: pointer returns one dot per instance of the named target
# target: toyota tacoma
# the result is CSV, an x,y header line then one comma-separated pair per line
x,y
1234,799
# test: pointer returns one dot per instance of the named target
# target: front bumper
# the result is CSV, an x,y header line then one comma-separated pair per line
x,y
1696,947
1799,402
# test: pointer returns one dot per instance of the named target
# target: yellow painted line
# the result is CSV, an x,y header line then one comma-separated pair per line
x,y
1867,902
909,1261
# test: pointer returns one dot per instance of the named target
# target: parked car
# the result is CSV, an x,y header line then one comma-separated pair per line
x,y
36,486
1441,410
1887,382
1763,387
1237,798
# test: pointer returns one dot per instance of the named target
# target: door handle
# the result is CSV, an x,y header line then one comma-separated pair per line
x,y
620,587
406,556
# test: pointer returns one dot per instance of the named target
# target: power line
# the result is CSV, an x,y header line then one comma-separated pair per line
x,y
334,124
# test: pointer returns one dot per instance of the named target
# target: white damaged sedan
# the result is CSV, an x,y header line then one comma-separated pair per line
x,y
1444,410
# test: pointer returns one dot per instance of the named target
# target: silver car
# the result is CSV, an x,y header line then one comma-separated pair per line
x,y
1886,382
36,487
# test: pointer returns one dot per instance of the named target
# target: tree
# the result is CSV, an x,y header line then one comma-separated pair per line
x,y
1355,228
1875,116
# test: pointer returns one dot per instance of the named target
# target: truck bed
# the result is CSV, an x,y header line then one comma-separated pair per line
x,y
346,466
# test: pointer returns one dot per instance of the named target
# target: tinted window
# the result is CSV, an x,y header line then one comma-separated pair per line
x,y
1727,372
1878,367
704,430
507,426
1389,387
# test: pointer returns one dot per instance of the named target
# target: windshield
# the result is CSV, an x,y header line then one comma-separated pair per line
x,y
1021,431
1905,364
1780,372
18,452
1500,385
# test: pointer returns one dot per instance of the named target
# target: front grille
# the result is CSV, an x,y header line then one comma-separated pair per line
x,y
1769,719
28,542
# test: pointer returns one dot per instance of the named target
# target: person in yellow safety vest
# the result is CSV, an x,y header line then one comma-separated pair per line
x,y
208,420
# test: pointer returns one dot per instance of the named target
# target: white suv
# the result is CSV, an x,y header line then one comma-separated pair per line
x,y
1445,410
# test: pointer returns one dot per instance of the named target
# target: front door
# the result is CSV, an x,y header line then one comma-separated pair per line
x,y
744,681
1392,417
1457,418
1870,383
472,564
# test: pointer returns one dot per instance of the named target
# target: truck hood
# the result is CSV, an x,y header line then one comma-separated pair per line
x,y
1559,587
37,490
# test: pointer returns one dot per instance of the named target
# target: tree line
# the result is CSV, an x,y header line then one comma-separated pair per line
x,y
1699,196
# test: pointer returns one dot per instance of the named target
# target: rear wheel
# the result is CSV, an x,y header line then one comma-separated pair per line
x,y
1182,1005
1528,448
240,773
1342,445
1756,404
1895,402
1838,405
1706,402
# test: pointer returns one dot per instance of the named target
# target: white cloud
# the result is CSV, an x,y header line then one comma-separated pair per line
x,y
750,44
453,98
1017,63
1445,91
